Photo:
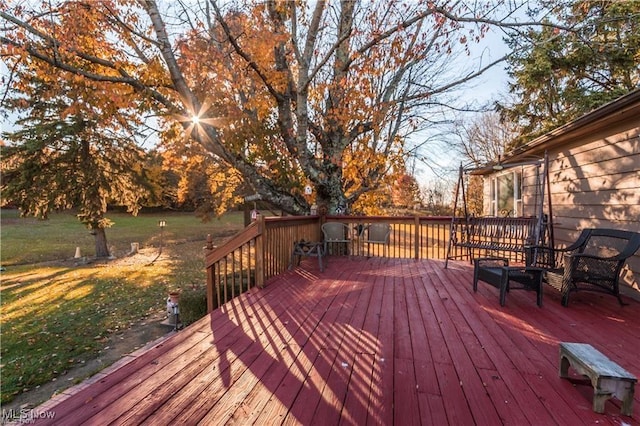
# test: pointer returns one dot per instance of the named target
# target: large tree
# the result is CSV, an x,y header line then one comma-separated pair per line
x,y
481,139
75,149
283,93
558,75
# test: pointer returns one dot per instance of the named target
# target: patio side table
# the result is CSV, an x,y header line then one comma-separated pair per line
x,y
307,248
497,272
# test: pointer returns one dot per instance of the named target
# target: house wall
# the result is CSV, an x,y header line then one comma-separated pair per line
x,y
595,183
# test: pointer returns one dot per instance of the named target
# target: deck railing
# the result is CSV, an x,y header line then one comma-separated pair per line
x,y
259,252
263,249
411,236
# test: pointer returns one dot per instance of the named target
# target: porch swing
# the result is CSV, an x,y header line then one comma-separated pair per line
x,y
499,235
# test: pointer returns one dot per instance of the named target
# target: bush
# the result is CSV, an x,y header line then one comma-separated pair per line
x,y
193,304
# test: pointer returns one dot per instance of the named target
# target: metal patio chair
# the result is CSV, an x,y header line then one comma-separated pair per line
x,y
336,233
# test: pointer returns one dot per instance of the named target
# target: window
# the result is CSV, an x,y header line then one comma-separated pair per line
x,y
506,194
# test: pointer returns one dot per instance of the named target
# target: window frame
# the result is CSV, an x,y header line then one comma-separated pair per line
x,y
496,205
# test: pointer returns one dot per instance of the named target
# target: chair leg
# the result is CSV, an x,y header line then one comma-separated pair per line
x,y
504,286
539,293
566,289
475,277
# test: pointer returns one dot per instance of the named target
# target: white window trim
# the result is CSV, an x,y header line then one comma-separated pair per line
x,y
517,176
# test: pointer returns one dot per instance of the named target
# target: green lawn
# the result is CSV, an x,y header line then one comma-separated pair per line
x,y
28,240
56,315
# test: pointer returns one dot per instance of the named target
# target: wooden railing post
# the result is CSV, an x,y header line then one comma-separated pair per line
x,y
211,291
416,237
260,245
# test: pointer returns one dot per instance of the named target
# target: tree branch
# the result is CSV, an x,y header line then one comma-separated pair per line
x,y
238,49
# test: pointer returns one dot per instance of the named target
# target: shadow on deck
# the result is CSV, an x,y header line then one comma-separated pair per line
x,y
368,341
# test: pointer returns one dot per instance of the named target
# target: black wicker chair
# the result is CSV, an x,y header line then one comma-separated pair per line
x,y
592,263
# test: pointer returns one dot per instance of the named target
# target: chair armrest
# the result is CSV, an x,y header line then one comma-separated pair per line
x,y
615,258
547,248
498,261
591,258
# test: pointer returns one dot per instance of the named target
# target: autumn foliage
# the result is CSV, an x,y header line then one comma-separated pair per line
x,y
261,96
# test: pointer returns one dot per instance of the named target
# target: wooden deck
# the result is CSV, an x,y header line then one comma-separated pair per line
x,y
369,341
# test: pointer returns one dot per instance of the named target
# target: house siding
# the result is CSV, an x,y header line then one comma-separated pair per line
x,y
597,185
530,198
594,177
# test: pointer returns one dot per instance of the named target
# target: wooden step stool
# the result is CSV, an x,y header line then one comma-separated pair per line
x,y
607,377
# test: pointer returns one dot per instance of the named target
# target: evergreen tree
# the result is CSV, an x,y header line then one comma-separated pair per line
x,y
559,75
72,152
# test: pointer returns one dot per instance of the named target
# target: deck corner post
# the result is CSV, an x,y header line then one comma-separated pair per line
x,y
260,244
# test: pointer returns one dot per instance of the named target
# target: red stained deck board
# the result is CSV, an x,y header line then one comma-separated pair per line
x,y
511,370
461,356
215,374
231,347
489,329
405,393
453,398
423,362
192,391
382,385
142,401
372,350
420,347
572,323
253,403
269,355
522,310
486,352
401,324
555,396
404,384
340,380
493,327
311,308
369,342
432,409
501,395
314,394
356,404
287,391
110,389
226,406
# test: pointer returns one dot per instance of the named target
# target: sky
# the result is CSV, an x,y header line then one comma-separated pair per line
x,y
442,161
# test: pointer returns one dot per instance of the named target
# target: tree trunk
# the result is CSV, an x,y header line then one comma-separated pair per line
x,y
101,242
